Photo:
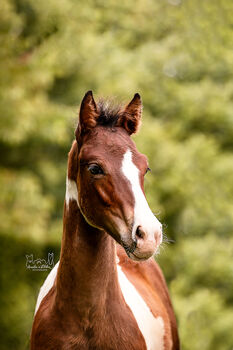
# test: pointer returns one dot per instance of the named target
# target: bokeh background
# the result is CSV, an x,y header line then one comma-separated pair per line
x,y
179,56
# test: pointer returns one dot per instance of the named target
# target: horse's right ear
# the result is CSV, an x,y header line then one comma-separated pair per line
x,y
88,114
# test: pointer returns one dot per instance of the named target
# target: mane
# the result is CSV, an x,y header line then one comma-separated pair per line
x,y
109,112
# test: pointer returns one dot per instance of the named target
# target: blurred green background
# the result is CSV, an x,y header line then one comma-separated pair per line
x,y
179,56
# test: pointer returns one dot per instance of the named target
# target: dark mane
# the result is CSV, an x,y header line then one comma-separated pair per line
x,y
109,112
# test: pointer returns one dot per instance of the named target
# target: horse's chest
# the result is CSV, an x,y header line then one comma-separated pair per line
x,y
151,328
129,325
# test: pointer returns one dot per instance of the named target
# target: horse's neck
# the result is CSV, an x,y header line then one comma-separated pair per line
x,y
87,275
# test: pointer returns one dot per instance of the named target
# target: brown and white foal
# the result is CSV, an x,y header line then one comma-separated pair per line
x,y
106,292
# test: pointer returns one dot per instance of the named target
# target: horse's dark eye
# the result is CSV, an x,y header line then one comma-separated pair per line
x,y
148,169
95,169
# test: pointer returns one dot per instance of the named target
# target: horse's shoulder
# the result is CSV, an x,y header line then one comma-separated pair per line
x,y
47,285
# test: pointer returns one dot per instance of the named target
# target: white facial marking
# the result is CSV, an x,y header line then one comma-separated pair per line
x,y
143,216
152,328
71,191
48,283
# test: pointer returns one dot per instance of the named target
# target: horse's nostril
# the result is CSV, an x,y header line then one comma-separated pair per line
x,y
140,233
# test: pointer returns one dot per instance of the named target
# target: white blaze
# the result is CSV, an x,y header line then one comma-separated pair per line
x,y
143,216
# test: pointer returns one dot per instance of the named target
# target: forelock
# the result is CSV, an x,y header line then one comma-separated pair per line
x,y
109,112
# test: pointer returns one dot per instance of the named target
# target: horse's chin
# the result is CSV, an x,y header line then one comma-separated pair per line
x,y
139,258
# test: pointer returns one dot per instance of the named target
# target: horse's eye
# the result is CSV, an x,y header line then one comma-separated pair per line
x,y
95,169
148,169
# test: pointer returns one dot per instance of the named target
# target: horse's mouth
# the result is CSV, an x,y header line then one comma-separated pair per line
x,y
130,251
137,258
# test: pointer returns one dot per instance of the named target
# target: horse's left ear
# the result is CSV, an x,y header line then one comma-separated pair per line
x,y
88,114
131,116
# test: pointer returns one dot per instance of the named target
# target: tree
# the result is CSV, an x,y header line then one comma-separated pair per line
x,y
179,56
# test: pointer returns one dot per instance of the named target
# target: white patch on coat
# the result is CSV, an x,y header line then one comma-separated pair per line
x,y
48,283
143,216
152,328
71,191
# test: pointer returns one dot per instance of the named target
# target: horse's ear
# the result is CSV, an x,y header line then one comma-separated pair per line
x,y
88,114
131,116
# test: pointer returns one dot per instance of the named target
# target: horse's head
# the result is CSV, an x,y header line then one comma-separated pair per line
x,y
109,174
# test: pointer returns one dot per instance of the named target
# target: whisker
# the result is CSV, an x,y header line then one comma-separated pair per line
x,y
159,249
167,240
156,213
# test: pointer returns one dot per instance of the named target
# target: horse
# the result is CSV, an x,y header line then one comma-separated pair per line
x,y
106,292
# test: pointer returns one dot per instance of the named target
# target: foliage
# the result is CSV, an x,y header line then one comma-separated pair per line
x,y
179,56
